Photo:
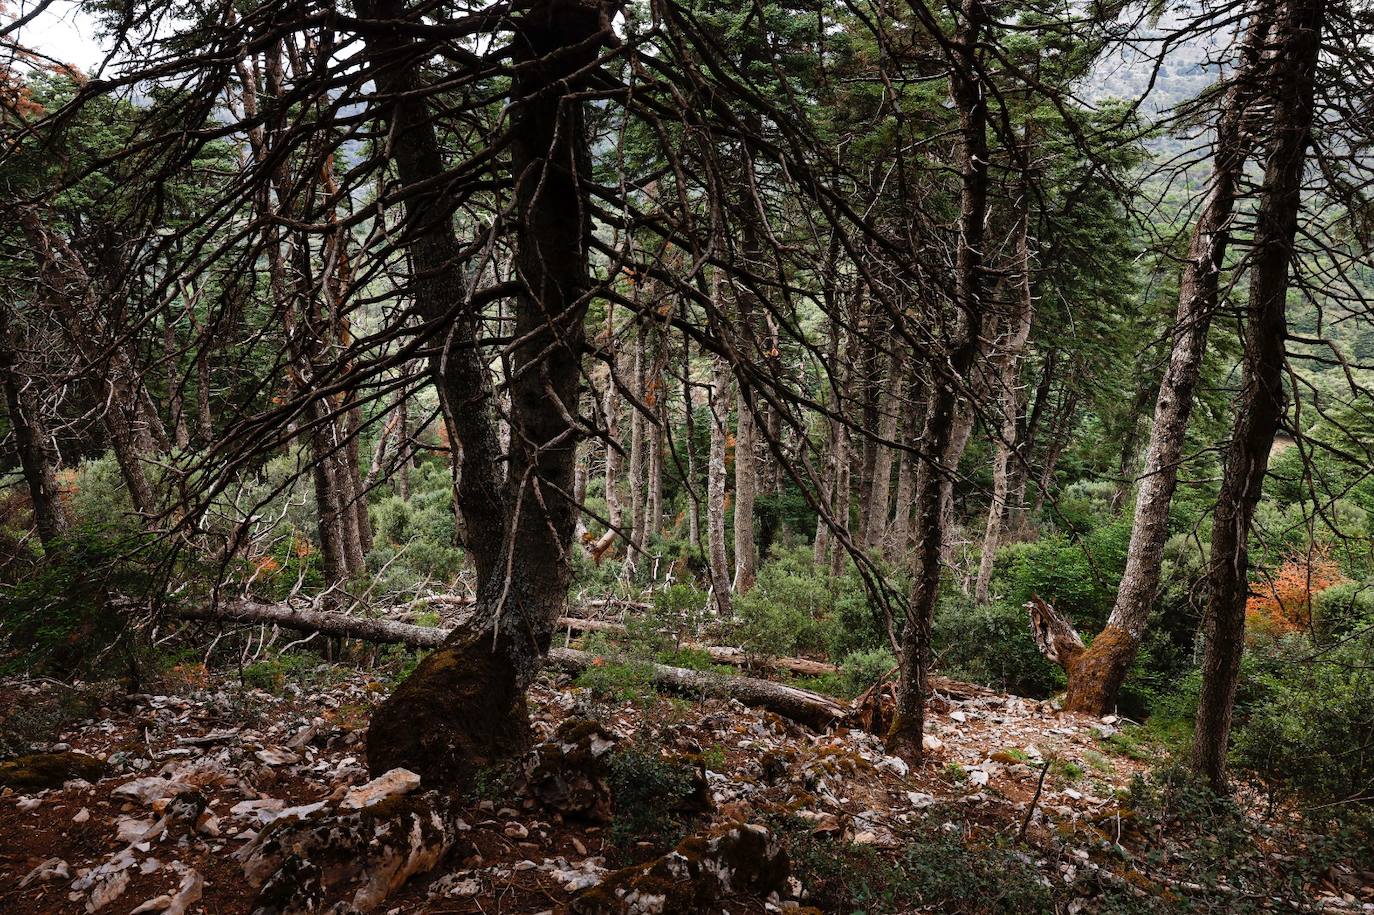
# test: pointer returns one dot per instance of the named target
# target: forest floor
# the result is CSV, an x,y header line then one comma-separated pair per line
x,y
113,843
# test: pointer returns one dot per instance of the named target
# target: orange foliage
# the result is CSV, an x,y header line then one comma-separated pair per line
x,y
1283,603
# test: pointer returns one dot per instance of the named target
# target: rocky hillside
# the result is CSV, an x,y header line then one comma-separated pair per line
x,y
218,797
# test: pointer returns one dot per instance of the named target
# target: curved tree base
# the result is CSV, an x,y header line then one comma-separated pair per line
x,y
1096,675
1096,671
460,712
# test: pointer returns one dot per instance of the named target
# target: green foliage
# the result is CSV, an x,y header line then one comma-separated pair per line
x,y
677,615
413,547
618,679
992,645
935,871
59,619
649,793
1306,724
861,669
798,608
274,673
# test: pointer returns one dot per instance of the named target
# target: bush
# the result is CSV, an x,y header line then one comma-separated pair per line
x,y
1306,723
650,793
936,871
59,620
993,646
861,669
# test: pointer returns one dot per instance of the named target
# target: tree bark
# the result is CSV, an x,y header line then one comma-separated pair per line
x,y
1108,659
715,488
464,707
889,414
1260,408
940,457
31,438
1008,397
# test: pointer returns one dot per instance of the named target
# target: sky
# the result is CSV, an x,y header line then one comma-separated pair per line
x,y
61,31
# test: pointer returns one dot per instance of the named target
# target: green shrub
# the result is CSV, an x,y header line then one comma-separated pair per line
x,y
992,645
618,679
59,620
1306,723
935,871
861,669
650,795
272,674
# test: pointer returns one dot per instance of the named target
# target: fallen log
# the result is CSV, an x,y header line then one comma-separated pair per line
x,y
800,705
725,655
954,689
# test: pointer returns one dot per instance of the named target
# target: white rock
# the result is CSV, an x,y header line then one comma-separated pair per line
x,y
958,716
894,764
29,803
977,777
265,809
390,784
51,869
148,789
275,756
930,743
516,831
919,799
82,815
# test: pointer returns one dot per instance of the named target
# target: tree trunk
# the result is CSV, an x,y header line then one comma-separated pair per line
x,y
1260,409
715,487
690,447
615,512
31,438
940,458
889,413
799,705
638,448
464,707
1008,397
746,489
1105,663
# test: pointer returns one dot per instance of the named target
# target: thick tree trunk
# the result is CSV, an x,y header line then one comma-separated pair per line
x,y
715,488
1259,411
31,438
464,707
1109,657
940,459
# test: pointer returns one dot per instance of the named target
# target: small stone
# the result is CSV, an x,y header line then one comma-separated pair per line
x,y
894,764
516,831
51,869
931,744
82,815
275,756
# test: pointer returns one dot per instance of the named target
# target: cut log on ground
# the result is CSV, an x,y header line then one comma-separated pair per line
x,y
798,704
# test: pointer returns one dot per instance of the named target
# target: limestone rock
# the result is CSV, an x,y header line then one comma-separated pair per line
x,y
694,877
391,784
304,862
568,772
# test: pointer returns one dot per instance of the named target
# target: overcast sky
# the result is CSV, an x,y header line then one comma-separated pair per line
x,y
62,32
